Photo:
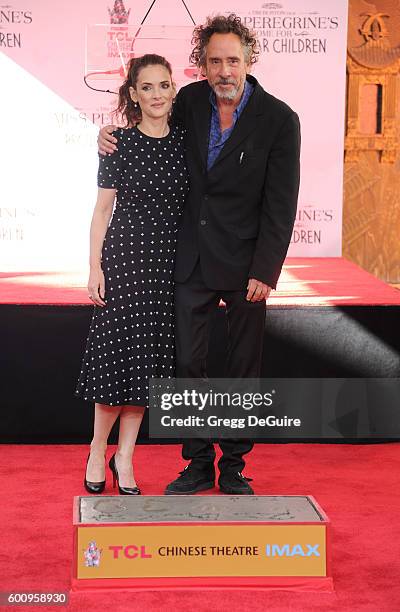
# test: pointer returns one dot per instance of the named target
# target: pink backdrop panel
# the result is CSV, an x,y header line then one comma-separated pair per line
x,y
51,117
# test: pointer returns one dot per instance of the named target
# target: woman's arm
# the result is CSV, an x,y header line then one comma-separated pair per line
x,y
100,220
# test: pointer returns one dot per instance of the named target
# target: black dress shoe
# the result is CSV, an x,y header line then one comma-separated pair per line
x,y
122,490
93,487
191,480
234,483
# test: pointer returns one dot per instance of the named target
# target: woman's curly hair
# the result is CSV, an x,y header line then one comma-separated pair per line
x,y
220,24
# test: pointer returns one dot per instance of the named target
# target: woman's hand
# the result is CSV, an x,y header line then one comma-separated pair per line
x,y
96,286
106,142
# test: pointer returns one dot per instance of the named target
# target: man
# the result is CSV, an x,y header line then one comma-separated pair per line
x,y
243,149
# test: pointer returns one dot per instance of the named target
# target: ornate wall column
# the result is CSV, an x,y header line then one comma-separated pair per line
x,y
371,214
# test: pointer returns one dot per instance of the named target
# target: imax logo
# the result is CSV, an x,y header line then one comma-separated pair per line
x,y
286,550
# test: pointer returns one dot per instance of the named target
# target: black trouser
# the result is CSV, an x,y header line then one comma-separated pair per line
x,y
195,304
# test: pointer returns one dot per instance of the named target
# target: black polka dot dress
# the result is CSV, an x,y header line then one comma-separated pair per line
x,y
131,339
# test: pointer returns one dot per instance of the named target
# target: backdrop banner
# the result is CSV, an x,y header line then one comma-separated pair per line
x,y
60,70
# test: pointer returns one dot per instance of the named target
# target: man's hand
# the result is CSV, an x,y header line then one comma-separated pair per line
x,y
257,291
105,141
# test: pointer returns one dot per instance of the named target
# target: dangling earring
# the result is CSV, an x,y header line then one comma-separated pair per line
x,y
136,105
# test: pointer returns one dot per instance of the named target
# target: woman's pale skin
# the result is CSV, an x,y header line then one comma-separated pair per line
x,y
154,93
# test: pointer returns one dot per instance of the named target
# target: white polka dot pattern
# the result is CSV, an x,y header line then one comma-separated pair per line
x,y
132,338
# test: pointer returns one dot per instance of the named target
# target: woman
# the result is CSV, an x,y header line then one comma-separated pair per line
x,y
131,268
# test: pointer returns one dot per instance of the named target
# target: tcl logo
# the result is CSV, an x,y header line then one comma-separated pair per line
x,y
130,552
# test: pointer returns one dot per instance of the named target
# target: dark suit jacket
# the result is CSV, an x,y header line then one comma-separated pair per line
x,y
239,215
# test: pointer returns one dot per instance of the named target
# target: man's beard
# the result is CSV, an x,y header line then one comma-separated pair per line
x,y
227,95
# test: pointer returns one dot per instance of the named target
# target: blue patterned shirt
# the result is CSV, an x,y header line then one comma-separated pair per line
x,y
217,138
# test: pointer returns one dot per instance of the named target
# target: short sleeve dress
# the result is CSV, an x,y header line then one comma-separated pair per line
x,y
131,339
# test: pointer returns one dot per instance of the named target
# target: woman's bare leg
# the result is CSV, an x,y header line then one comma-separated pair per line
x,y
104,418
130,420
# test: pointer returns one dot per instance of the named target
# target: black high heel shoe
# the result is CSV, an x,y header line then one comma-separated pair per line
x,y
93,487
122,490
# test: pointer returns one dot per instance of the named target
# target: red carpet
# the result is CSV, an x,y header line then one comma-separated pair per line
x,y
357,486
316,281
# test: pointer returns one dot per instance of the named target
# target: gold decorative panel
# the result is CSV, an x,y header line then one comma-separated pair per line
x,y
371,215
